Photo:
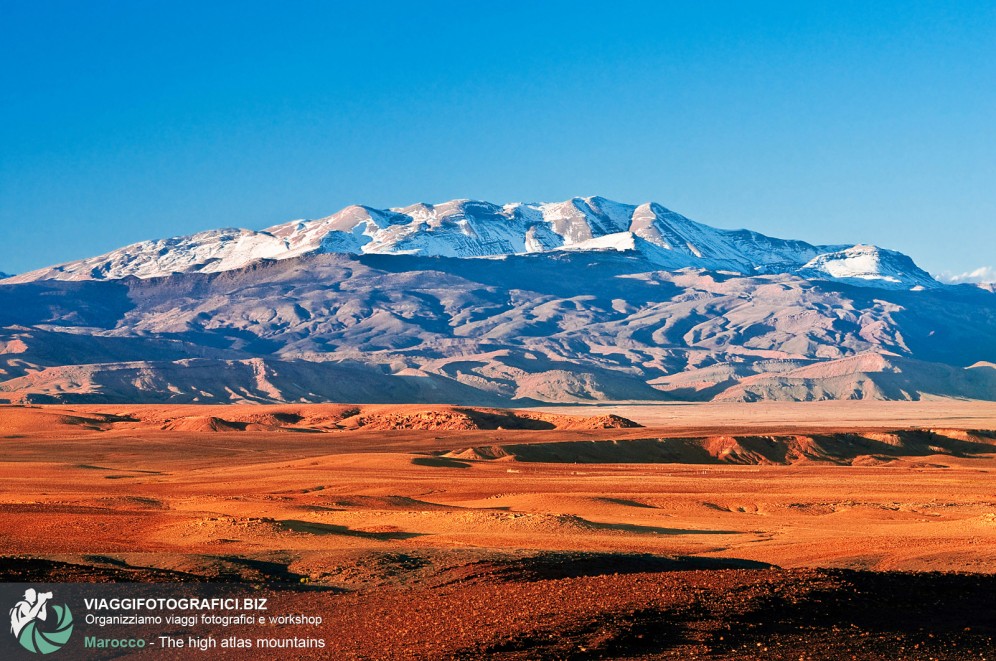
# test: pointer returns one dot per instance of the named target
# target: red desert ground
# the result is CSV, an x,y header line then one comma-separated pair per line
x,y
770,530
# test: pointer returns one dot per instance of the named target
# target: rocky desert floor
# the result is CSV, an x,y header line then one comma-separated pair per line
x,y
817,530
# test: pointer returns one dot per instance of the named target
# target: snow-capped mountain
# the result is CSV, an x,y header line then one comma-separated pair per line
x,y
468,228
476,303
867,264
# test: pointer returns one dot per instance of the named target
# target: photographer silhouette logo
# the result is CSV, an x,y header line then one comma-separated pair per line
x,y
31,625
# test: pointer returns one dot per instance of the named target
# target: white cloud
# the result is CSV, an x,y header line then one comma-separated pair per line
x,y
981,274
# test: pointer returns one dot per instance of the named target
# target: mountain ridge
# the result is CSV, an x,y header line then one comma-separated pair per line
x,y
475,229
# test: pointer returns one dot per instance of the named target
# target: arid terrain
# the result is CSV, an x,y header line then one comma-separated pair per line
x,y
775,530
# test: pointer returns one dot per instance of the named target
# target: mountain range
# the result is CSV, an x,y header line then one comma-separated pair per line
x,y
477,303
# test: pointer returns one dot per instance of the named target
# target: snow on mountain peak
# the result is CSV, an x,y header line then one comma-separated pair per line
x,y
471,228
863,264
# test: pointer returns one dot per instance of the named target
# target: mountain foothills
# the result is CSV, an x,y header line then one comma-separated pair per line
x,y
474,303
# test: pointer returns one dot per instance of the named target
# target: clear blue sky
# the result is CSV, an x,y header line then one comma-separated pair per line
x,y
831,122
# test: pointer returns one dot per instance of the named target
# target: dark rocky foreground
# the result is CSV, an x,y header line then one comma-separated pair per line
x,y
592,606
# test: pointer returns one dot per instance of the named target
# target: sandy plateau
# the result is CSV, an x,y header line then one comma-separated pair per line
x,y
725,530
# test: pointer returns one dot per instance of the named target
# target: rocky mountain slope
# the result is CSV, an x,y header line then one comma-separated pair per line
x,y
552,326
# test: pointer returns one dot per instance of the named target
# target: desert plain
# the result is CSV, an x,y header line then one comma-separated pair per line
x,y
726,530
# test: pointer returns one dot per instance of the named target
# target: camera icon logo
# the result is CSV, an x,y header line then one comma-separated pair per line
x,y
34,629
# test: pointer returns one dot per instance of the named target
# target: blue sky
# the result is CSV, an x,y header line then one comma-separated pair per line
x,y
832,122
